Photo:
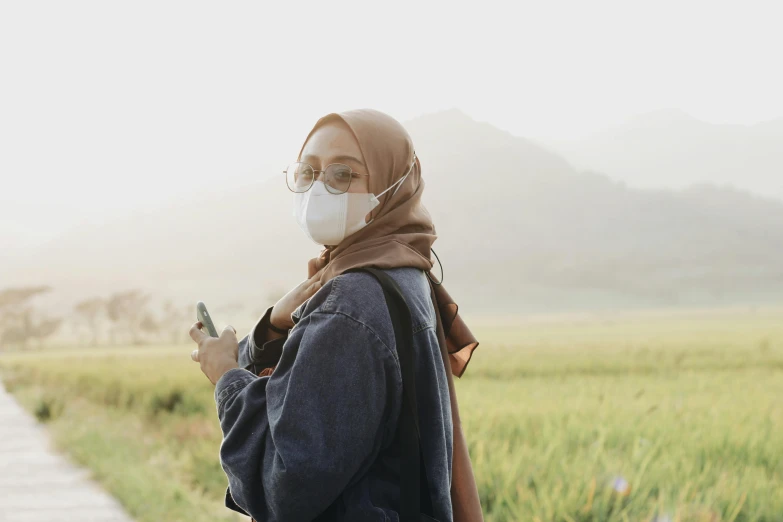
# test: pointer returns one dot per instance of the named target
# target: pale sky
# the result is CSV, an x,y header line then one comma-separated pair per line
x,y
111,106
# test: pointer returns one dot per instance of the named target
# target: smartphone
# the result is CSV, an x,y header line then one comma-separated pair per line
x,y
206,321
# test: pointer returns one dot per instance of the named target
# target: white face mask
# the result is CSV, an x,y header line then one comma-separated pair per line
x,y
329,218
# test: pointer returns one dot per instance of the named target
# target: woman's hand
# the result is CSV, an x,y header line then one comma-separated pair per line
x,y
216,355
281,312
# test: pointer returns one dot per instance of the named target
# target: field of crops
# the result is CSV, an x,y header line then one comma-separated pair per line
x,y
633,417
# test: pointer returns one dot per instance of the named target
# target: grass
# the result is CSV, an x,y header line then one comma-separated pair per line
x,y
629,417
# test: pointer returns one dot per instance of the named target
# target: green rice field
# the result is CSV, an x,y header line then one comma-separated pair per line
x,y
612,417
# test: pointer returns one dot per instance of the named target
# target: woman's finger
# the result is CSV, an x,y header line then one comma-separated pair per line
x,y
310,280
230,331
319,272
313,288
314,266
195,332
194,355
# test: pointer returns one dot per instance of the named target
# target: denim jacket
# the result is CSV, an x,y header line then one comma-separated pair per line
x,y
321,427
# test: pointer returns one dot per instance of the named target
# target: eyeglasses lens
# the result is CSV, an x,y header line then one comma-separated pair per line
x,y
299,176
337,178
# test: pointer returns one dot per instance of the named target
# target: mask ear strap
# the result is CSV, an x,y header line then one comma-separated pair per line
x,y
392,186
398,183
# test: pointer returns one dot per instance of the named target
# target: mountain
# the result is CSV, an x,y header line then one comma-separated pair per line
x,y
550,236
671,149
519,230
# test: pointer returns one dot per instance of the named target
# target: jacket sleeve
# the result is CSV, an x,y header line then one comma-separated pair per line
x,y
293,441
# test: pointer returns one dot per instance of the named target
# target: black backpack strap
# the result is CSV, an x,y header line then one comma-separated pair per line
x,y
413,472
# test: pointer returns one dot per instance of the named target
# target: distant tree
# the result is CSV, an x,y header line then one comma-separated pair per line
x,y
19,322
90,312
174,321
128,311
149,326
17,325
13,336
45,327
18,296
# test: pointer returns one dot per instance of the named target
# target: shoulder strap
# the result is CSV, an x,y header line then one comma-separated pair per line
x,y
413,473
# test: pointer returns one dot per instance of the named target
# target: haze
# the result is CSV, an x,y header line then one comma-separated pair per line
x,y
107,107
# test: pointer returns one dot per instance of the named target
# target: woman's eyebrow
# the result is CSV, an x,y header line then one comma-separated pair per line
x,y
344,157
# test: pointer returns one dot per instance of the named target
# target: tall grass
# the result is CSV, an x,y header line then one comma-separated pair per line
x,y
624,418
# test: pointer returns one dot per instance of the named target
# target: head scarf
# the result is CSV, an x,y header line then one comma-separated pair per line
x,y
401,232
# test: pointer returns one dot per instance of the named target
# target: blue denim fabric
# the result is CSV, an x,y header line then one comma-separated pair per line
x,y
322,425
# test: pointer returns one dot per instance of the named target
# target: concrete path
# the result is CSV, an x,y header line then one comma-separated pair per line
x,y
37,484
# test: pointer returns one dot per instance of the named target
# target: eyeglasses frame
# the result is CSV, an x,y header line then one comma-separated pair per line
x,y
315,177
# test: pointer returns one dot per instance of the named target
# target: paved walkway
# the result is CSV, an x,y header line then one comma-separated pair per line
x,y
37,484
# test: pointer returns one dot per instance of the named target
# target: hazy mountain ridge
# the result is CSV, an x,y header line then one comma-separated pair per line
x,y
669,148
519,230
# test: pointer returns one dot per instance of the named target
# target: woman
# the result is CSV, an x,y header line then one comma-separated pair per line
x,y
309,434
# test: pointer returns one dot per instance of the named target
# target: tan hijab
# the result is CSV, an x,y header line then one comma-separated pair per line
x,y
401,234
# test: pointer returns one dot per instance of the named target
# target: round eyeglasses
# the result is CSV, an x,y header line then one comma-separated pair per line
x,y
337,177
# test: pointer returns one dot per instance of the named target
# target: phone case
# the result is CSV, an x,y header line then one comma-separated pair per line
x,y
206,321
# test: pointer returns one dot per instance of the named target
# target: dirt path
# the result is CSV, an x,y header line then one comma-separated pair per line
x,y
37,484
